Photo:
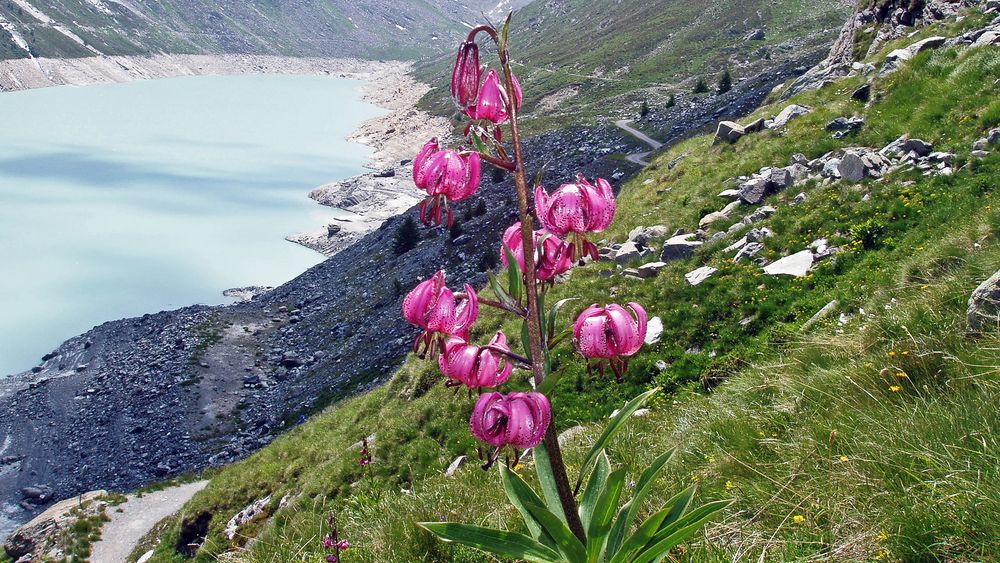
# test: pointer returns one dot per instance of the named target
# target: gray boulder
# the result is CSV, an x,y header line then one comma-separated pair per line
x,y
789,113
679,247
729,132
651,269
797,265
984,305
754,190
695,277
851,167
919,146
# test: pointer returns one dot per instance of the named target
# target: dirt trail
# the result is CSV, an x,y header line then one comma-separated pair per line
x,y
639,157
137,517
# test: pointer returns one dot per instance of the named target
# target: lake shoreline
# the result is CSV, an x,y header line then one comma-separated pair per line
x,y
371,198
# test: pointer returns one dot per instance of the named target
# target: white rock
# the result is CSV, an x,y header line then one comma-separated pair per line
x,y
695,277
455,465
797,265
788,114
654,330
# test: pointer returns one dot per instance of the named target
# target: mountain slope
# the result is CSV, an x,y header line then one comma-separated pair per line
x,y
585,58
871,436
366,29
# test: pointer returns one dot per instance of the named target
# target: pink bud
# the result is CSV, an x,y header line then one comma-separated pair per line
x,y
476,366
466,75
494,102
553,256
518,419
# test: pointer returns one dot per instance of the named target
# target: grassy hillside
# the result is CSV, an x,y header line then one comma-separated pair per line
x,y
578,58
868,439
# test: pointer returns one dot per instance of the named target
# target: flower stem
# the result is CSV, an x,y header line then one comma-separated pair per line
x,y
551,440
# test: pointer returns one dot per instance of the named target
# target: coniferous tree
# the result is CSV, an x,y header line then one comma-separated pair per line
x,y
407,237
671,102
701,87
725,82
644,109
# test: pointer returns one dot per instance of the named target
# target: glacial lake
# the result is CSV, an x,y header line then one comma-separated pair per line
x,y
123,199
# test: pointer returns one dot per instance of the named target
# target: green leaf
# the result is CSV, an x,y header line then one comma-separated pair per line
x,y
521,495
669,537
567,543
543,468
595,486
481,147
670,513
553,314
497,542
614,426
550,381
626,516
515,281
541,313
604,511
500,292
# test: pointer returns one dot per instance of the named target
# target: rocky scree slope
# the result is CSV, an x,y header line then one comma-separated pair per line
x,y
368,29
853,404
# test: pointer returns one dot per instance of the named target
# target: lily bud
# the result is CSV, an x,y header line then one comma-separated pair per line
x,y
466,75
476,366
610,334
553,256
494,101
518,419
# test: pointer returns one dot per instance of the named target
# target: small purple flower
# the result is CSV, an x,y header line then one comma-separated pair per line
x,y
332,559
327,542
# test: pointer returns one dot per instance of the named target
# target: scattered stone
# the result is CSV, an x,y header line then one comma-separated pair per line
x,y
896,58
851,167
728,132
245,515
730,193
654,330
921,147
797,265
984,305
629,251
800,199
754,190
455,465
789,113
678,247
640,413
695,277
650,270
845,124
755,126
821,314
863,94
748,251
759,215
713,217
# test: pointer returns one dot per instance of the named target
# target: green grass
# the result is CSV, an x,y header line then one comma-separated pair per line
x,y
873,440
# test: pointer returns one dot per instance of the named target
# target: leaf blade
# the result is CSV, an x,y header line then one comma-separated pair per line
x,y
609,431
498,542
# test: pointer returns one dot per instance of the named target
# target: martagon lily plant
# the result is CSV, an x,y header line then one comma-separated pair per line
x,y
579,521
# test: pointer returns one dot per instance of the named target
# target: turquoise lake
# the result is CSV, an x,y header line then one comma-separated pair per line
x,y
123,199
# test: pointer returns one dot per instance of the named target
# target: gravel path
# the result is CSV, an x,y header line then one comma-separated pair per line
x,y
138,516
639,157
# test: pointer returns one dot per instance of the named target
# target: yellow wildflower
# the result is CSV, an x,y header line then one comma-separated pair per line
x,y
901,374
844,458
798,518
729,485
895,388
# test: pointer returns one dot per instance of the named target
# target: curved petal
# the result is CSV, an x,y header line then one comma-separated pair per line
x,y
489,418
641,321
622,327
530,414
593,339
416,302
582,318
466,313
473,175
420,162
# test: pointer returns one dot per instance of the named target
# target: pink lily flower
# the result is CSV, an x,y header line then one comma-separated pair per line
x,y
476,366
446,175
494,101
518,419
553,256
434,308
610,334
577,209
466,75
